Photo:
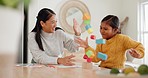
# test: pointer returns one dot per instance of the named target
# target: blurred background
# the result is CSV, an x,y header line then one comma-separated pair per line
x,y
14,28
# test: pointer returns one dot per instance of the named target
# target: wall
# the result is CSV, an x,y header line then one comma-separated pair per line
x,y
101,9
130,9
98,9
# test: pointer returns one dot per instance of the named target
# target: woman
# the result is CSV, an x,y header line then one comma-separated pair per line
x,y
46,42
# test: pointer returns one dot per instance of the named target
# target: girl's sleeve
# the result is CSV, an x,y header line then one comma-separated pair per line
x,y
39,56
95,58
130,43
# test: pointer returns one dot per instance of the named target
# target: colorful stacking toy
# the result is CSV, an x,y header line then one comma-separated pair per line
x,y
88,56
86,18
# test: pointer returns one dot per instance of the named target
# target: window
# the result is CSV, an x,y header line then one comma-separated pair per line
x,y
143,27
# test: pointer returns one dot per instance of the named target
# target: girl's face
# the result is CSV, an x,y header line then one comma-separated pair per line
x,y
107,31
50,25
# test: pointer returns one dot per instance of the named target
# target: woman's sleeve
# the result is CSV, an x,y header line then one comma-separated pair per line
x,y
69,43
130,43
39,56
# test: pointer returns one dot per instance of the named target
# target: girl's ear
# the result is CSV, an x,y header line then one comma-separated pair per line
x,y
116,30
42,23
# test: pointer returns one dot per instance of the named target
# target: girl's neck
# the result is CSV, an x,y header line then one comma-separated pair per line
x,y
111,37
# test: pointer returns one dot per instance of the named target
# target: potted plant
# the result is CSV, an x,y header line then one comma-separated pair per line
x,y
14,3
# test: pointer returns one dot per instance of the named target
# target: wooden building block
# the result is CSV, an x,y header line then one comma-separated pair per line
x,y
86,22
90,30
89,60
86,65
89,53
87,26
93,37
102,56
100,41
86,16
85,56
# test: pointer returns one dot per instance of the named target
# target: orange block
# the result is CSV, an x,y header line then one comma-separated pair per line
x,y
86,16
92,56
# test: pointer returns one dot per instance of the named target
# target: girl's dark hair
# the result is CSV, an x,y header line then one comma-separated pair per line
x,y
112,20
43,15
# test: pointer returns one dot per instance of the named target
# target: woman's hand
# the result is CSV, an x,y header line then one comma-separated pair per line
x,y
134,53
67,61
76,28
82,43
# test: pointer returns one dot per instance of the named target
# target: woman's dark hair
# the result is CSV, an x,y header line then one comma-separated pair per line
x,y
112,20
43,15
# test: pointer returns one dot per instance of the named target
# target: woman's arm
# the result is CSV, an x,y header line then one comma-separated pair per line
x,y
69,43
76,28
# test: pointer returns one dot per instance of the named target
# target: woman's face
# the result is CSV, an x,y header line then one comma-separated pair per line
x,y
107,31
50,25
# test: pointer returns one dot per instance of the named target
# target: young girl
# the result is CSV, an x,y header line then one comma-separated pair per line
x,y
47,42
115,46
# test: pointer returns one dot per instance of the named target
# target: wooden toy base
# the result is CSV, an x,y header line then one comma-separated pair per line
x,y
86,65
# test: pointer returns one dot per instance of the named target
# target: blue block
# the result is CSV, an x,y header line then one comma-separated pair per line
x,y
87,26
102,56
100,41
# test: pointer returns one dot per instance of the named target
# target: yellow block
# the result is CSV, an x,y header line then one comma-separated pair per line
x,y
90,30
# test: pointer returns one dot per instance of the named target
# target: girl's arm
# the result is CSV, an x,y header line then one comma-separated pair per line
x,y
84,44
136,49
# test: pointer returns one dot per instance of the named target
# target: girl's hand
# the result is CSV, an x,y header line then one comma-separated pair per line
x,y
82,43
134,53
76,28
67,61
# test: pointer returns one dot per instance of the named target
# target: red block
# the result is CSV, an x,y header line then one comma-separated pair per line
x,y
89,60
93,37
85,56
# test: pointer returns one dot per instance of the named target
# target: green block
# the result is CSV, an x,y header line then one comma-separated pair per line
x,y
89,53
86,22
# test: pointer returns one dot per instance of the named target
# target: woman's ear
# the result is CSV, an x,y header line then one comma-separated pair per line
x,y
42,23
